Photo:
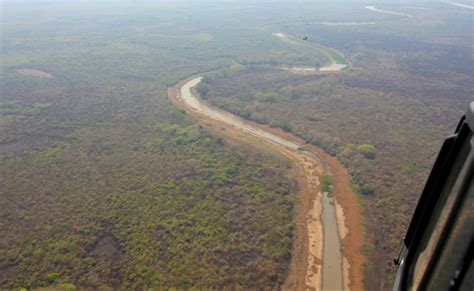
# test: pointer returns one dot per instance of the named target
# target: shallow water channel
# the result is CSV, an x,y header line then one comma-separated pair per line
x,y
332,254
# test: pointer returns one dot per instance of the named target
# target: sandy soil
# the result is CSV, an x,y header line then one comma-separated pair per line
x,y
340,221
314,228
343,231
306,264
33,73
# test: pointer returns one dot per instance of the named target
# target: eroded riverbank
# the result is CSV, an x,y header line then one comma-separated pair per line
x,y
307,269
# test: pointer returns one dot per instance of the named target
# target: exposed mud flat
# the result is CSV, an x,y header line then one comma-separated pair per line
x,y
33,73
343,231
314,275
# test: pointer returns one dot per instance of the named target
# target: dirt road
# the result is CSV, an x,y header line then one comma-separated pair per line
x,y
317,260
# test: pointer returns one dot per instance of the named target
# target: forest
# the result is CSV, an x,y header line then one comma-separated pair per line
x,y
108,185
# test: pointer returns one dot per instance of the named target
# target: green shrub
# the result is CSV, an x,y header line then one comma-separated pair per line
x,y
286,126
326,184
367,150
52,277
367,189
203,90
67,287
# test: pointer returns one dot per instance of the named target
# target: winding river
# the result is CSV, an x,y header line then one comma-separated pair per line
x,y
330,275
333,66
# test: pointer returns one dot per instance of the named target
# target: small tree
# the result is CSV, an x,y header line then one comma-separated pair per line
x,y
367,150
286,126
203,90
52,277
367,189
